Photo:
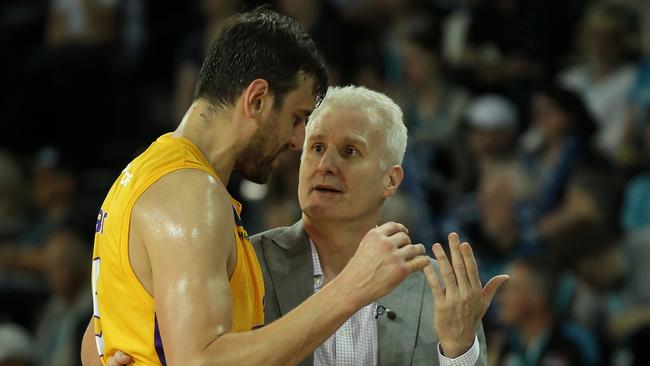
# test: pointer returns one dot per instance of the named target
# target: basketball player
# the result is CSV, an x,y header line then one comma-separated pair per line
x,y
175,280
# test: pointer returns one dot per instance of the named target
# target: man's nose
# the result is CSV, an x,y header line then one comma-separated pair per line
x,y
327,164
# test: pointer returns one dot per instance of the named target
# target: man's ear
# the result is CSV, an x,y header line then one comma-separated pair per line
x,y
258,100
393,178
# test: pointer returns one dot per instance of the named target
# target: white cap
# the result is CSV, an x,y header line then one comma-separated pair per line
x,y
492,112
15,342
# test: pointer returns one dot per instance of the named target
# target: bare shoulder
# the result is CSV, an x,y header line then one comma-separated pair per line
x,y
184,205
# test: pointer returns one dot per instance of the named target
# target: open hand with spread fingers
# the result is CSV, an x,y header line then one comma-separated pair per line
x,y
460,300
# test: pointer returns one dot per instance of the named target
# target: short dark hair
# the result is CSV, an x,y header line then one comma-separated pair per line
x,y
584,123
260,44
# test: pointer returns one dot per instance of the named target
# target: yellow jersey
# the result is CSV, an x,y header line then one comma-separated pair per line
x,y
124,312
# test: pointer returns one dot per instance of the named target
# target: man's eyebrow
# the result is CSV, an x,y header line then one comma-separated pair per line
x,y
352,140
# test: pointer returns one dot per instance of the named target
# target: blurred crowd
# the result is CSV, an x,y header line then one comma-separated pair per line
x,y
529,134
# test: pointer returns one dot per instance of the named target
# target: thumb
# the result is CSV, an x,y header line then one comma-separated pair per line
x,y
121,358
491,289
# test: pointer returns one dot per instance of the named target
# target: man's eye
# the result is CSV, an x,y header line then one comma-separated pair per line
x,y
318,148
351,151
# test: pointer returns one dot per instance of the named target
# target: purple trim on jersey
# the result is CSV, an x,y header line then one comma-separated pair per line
x,y
158,343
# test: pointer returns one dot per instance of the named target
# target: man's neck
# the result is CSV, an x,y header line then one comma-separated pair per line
x,y
212,132
336,241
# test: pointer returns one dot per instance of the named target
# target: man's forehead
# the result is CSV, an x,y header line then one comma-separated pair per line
x,y
346,123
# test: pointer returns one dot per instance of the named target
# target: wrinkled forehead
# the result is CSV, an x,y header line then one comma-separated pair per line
x,y
342,122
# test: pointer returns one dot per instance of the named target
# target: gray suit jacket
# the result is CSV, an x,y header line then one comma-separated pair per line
x,y
285,258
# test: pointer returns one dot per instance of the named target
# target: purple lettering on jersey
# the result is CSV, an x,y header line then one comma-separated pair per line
x,y
101,217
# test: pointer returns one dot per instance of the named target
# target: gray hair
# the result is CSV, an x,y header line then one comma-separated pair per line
x,y
379,108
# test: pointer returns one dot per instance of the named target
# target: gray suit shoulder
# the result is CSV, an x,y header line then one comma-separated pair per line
x,y
272,233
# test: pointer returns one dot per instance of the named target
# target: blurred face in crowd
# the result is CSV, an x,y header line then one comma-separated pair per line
x,y
341,173
603,270
549,118
65,264
420,65
492,143
497,202
521,297
283,129
52,187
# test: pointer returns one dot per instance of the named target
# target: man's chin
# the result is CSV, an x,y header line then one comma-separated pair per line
x,y
321,212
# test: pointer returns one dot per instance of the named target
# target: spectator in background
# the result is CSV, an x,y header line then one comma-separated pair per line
x,y
16,346
591,251
455,28
433,108
79,22
610,291
507,44
396,21
604,78
535,335
194,48
433,105
66,314
491,127
333,36
54,186
75,70
564,172
53,192
635,214
488,209
639,99
499,235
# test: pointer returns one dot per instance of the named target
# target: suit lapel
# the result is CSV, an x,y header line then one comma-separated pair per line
x,y
400,334
290,267
288,257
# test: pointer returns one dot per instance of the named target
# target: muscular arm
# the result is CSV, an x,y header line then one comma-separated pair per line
x,y
186,223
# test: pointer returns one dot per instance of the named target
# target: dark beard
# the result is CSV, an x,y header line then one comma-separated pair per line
x,y
254,163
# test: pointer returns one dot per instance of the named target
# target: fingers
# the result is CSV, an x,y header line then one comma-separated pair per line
x,y
411,251
458,263
391,228
434,283
447,274
491,289
470,264
418,263
120,359
399,239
